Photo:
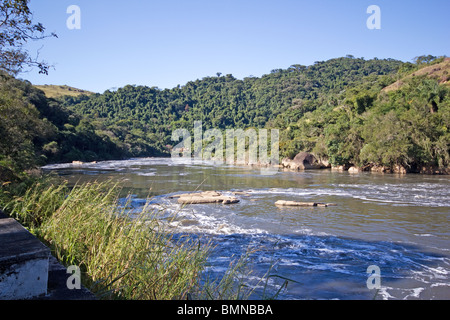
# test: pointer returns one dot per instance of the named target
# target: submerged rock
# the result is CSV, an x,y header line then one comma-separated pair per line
x,y
195,194
339,168
284,203
242,193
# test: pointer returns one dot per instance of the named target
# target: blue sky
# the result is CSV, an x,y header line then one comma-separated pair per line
x,y
164,43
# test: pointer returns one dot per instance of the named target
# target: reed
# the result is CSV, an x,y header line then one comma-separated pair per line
x,y
121,257
124,254
235,283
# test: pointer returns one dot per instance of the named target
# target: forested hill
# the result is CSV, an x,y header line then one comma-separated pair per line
x,y
345,110
224,101
141,116
35,130
336,109
404,129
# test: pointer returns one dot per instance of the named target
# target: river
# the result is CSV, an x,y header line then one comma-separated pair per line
x,y
399,223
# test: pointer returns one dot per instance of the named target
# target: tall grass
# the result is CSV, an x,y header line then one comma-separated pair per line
x,y
235,283
124,254
120,257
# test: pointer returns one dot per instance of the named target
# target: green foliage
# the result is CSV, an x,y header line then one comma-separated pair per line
x,y
141,119
406,127
335,109
20,127
120,257
35,130
16,30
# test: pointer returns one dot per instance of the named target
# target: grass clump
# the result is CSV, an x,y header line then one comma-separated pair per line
x,y
125,254
235,284
120,257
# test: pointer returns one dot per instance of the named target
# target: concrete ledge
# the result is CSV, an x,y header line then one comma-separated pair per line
x,y
23,262
57,285
28,270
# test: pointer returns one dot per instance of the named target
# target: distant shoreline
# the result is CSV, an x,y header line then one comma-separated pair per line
x,y
290,165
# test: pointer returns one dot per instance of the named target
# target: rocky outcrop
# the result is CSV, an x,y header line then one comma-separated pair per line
x,y
354,170
399,169
381,169
304,161
434,170
205,197
384,169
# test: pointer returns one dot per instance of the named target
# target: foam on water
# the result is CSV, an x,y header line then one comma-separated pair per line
x,y
195,220
437,196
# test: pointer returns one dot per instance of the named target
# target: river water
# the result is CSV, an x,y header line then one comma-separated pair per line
x,y
399,223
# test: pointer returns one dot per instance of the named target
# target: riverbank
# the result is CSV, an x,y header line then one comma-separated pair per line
x,y
301,162
121,253
119,257
306,161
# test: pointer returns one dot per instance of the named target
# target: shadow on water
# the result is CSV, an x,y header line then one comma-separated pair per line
x,y
329,267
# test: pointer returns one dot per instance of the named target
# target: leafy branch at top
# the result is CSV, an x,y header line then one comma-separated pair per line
x,y
16,29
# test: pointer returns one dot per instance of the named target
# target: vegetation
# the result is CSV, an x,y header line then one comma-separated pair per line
x,y
330,109
35,130
125,254
369,127
53,91
349,111
143,118
16,30
120,257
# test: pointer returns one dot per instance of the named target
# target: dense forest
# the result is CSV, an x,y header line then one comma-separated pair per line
x,y
141,119
340,110
35,130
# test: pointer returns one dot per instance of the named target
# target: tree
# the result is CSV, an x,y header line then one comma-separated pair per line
x,y
19,126
424,59
16,29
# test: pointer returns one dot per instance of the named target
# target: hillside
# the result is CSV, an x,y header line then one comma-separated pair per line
x,y
35,130
55,91
340,110
402,128
143,118
440,72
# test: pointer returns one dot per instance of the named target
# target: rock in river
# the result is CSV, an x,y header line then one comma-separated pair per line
x,y
205,197
284,203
